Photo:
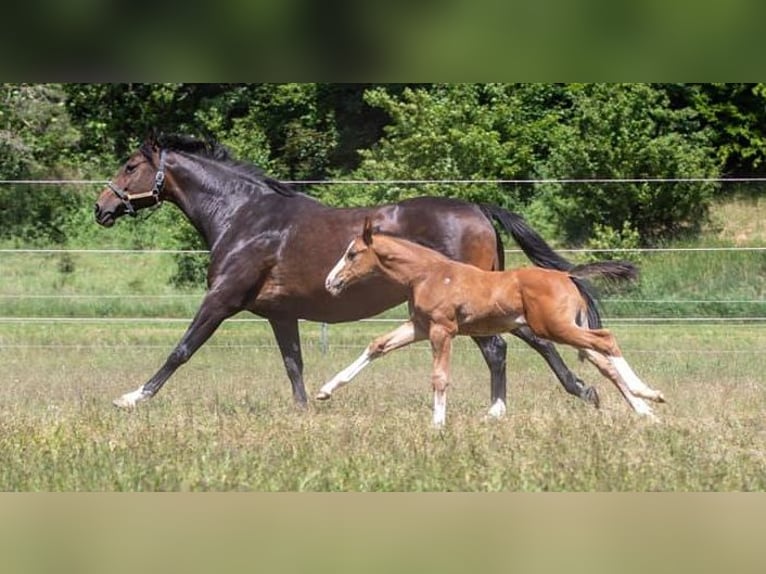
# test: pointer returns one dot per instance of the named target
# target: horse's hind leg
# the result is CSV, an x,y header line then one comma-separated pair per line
x,y
638,387
607,368
396,339
571,383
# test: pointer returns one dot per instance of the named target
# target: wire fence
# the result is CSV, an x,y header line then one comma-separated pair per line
x,y
456,181
640,322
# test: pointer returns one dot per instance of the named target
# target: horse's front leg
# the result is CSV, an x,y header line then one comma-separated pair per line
x,y
494,351
211,314
400,337
289,340
441,347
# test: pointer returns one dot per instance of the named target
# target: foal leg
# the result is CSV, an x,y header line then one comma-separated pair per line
x,y
604,364
396,339
600,347
603,341
441,347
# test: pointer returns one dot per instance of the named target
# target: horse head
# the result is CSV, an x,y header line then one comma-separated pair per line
x,y
139,183
358,261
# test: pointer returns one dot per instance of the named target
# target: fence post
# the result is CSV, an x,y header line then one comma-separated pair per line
x,y
324,342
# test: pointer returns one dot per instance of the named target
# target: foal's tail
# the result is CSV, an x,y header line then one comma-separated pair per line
x,y
610,270
531,243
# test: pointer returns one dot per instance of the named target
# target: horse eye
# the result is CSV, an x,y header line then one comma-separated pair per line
x,y
352,255
130,168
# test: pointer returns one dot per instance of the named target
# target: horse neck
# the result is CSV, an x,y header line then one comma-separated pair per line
x,y
207,193
404,262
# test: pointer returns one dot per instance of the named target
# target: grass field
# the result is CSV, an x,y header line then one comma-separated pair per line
x,y
226,421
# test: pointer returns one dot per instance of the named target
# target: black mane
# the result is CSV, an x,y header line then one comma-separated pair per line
x,y
213,150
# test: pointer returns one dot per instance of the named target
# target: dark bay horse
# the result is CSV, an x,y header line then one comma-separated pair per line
x,y
449,298
264,259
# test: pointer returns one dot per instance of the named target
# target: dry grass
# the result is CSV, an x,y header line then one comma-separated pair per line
x,y
226,422
740,221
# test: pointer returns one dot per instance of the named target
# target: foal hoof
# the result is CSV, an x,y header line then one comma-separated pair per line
x,y
322,396
589,395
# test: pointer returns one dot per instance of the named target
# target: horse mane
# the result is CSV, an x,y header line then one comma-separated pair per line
x,y
211,149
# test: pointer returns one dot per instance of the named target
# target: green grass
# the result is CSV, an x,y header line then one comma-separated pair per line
x,y
226,421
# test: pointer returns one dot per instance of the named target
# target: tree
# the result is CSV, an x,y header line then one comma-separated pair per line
x,y
626,131
36,137
454,131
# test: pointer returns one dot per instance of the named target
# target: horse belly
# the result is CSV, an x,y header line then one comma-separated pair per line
x,y
316,304
490,325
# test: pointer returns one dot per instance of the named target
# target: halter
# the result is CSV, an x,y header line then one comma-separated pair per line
x,y
154,193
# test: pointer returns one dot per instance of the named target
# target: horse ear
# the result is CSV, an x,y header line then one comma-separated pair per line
x,y
152,139
367,231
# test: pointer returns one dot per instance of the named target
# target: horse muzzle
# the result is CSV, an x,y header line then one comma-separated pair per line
x,y
104,217
334,285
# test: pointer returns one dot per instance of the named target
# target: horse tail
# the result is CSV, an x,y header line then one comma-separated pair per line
x,y
592,320
610,270
531,243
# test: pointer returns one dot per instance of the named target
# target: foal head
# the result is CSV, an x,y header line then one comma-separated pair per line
x,y
359,261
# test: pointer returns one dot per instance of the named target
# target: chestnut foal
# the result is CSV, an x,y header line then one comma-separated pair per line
x,y
448,298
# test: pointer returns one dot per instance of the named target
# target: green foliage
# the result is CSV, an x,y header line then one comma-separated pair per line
x,y
606,238
400,132
454,131
615,131
35,135
737,114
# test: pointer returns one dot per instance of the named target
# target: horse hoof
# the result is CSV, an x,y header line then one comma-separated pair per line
x,y
590,395
660,397
130,400
497,410
124,403
322,396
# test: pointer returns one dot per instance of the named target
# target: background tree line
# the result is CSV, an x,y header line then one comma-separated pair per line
x,y
387,131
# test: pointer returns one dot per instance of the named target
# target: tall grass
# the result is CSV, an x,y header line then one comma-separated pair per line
x,y
226,421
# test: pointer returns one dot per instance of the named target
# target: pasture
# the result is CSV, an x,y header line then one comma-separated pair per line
x,y
226,422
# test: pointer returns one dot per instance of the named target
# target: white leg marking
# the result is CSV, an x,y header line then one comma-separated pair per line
x,y
636,386
399,337
344,376
130,400
636,403
440,409
497,410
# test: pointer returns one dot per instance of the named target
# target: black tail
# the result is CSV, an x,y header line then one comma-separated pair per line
x,y
587,292
533,246
610,270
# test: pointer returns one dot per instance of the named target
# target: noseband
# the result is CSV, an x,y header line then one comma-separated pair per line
x,y
154,193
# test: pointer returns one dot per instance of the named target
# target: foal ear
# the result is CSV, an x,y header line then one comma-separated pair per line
x,y
367,231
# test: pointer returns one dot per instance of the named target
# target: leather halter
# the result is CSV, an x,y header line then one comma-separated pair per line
x,y
154,193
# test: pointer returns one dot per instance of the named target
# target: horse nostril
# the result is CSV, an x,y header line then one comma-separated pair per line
x,y
96,209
